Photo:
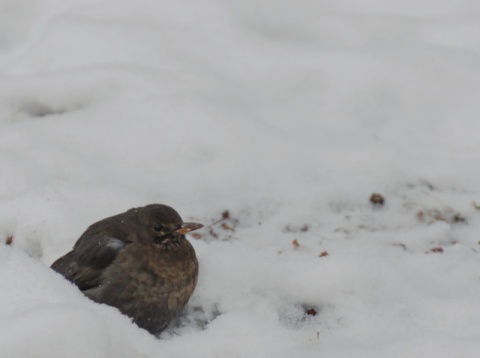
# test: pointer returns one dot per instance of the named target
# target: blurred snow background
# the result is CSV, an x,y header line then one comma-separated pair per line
x,y
288,115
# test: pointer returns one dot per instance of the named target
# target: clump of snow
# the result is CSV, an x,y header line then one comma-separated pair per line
x,y
272,123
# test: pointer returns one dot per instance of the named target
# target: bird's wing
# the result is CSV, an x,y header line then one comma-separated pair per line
x,y
85,263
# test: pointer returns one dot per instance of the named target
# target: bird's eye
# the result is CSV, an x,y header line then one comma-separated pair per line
x,y
158,228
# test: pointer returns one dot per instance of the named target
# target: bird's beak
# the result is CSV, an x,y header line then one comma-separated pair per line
x,y
187,227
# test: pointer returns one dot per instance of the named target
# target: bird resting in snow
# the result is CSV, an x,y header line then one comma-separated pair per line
x,y
138,261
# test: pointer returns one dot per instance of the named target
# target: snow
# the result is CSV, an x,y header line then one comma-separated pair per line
x,y
288,114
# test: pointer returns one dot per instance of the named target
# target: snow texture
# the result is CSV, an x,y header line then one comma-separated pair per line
x,y
272,123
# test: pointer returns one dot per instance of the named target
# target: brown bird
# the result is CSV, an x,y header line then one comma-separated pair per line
x,y
138,261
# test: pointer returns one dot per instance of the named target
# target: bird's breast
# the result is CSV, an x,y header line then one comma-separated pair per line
x,y
152,264
149,273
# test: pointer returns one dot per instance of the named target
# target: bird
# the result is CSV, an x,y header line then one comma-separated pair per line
x,y
138,261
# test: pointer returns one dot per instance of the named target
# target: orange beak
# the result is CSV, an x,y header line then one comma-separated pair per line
x,y
187,227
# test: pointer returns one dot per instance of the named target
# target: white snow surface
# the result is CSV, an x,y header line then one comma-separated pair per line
x,y
289,114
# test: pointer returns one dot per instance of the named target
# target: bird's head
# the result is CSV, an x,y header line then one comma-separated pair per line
x,y
165,223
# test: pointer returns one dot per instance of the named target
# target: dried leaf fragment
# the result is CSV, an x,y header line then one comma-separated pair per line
x,y
226,215
377,199
323,254
9,240
196,235
311,312
457,218
295,244
437,249
227,227
430,216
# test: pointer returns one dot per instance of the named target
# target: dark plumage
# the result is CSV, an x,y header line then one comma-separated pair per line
x,y
139,262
